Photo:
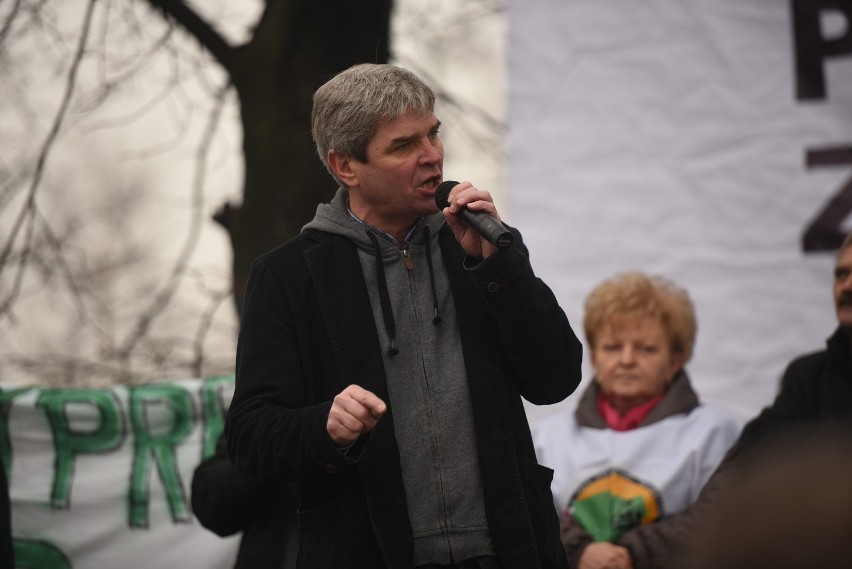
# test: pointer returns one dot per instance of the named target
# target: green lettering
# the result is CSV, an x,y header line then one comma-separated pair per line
x,y
214,411
105,434
39,554
159,447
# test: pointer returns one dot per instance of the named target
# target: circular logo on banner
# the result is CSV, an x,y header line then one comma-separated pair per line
x,y
613,502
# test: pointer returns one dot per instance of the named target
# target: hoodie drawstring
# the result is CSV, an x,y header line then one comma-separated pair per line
x,y
427,238
384,296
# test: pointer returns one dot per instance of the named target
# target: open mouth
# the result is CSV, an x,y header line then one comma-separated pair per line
x,y
431,183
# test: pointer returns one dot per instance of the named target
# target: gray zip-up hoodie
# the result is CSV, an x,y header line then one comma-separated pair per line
x,y
414,314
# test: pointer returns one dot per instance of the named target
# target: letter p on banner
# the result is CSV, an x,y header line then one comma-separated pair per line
x,y
813,48
105,433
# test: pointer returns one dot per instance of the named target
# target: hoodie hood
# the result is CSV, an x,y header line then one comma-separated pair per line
x,y
380,252
335,217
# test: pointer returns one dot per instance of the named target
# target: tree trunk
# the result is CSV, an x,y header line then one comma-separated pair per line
x,y
293,52
296,47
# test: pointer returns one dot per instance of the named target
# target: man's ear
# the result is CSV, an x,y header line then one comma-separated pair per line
x,y
341,165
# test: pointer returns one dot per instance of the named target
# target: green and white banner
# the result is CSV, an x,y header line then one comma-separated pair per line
x,y
100,478
709,141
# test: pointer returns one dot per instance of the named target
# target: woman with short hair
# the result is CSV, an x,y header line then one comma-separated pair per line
x,y
639,445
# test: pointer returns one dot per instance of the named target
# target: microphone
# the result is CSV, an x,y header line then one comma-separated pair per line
x,y
488,227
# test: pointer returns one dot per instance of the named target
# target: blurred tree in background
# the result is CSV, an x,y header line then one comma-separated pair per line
x,y
294,47
88,210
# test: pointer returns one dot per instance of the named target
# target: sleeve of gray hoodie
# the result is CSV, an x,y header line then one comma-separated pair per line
x,y
538,340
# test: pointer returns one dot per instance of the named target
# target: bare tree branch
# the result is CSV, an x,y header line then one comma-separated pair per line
x,y
57,245
11,179
56,369
166,294
204,324
138,62
7,23
6,304
181,13
71,81
110,85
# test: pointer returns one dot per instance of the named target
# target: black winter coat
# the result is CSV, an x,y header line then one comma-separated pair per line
x,y
308,332
227,502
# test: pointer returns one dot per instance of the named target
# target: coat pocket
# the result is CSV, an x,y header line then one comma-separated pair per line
x,y
322,541
545,520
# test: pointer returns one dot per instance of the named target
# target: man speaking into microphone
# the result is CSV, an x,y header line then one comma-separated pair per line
x,y
383,354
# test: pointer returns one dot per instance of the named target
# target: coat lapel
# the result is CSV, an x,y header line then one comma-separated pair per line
x,y
348,318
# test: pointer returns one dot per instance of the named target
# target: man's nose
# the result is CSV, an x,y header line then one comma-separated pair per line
x,y
431,153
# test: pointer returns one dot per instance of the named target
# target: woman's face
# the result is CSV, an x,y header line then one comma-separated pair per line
x,y
633,361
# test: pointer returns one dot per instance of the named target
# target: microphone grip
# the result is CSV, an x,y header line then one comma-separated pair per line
x,y
488,227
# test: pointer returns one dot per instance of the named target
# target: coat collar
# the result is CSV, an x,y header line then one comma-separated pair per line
x,y
679,398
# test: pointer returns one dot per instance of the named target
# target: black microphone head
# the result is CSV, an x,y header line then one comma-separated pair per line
x,y
443,192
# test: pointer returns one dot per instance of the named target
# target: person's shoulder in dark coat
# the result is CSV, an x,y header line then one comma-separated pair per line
x,y
227,502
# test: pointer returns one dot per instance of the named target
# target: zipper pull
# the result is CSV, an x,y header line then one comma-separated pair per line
x,y
409,264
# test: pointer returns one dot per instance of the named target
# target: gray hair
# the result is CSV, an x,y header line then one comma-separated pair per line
x,y
349,108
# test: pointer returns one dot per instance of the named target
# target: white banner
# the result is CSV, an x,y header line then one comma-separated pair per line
x,y
708,141
100,478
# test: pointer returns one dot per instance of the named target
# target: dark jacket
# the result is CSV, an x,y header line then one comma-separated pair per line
x,y
227,502
308,332
816,391
6,551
